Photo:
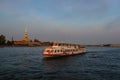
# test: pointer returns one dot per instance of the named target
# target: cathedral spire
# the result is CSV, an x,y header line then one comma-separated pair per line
x,y
26,38
26,29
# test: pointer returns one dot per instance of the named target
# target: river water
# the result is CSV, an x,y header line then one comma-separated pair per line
x,y
27,63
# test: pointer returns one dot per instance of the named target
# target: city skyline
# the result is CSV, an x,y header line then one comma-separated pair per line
x,y
76,21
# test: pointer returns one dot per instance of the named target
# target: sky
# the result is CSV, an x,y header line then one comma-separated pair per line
x,y
74,21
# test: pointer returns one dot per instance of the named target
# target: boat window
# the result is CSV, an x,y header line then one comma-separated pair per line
x,y
65,44
68,50
65,50
51,50
59,44
55,44
47,50
74,46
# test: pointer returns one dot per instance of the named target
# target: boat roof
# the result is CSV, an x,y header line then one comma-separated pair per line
x,y
66,44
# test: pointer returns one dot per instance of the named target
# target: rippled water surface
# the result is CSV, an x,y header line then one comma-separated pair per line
x,y
27,63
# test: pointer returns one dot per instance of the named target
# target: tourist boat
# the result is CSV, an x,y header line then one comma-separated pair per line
x,y
63,49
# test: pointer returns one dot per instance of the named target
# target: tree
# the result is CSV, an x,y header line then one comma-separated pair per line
x,y
36,40
2,40
10,43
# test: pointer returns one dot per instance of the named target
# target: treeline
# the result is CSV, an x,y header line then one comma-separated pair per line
x,y
4,42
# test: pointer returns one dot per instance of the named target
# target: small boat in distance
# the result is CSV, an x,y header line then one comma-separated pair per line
x,y
63,49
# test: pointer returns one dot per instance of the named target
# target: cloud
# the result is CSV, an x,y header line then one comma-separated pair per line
x,y
114,24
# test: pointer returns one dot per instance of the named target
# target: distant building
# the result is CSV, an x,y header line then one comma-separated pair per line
x,y
26,41
115,45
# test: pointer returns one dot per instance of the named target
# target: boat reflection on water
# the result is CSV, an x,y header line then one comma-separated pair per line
x,y
61,63
62,68
56,64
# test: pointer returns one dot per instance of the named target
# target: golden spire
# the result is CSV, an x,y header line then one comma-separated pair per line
x,y
26,38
